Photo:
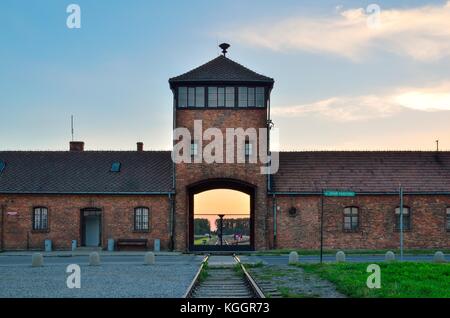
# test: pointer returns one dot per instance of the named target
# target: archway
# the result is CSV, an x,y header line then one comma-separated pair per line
x,y
221,215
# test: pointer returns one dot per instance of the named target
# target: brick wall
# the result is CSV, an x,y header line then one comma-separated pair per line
x,y
376,225
187,174
64,219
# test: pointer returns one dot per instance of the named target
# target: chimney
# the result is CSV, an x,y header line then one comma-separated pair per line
x,y
140,146
77,146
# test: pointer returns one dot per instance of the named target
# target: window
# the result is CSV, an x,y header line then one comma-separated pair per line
x,y
448,220
251,97
212,97
351,218
115,167
243,97
141,219
182,97
191,97
406,219
200,97
248,151
40,219
194,148
260,97
2,166
248,148
229,97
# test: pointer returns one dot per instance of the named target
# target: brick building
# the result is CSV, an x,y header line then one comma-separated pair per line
x,y
93,196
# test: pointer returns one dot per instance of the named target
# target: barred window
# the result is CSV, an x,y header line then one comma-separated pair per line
x,y
406,219
351,218
40,218
141,219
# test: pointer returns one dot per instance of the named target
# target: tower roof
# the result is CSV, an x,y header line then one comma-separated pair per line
x,y
221,70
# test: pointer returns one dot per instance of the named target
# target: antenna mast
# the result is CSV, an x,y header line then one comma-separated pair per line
x,y
71,126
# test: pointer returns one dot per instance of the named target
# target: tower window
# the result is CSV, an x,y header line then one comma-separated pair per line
x,y
243,97
229,97
212,97
260,97
194,148
191,97
182,97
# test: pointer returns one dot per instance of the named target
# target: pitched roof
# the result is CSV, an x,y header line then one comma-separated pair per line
x,y
366,171
85,172
221,69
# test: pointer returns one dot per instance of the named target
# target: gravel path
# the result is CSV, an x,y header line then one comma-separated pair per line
x,y
292,281
107,280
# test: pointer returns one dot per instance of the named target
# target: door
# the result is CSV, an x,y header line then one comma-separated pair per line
x,y
91,227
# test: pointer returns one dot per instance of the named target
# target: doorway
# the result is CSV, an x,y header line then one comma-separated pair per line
x,y
91,225
221,216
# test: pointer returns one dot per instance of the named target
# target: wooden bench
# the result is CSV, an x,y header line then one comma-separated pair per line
x,y
131,243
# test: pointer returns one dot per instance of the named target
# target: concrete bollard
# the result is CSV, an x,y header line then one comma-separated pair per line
x,y
149,258
439,257
37,260
340,257
293,258
389,257
94,259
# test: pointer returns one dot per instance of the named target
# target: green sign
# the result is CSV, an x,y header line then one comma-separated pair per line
x,y
332,193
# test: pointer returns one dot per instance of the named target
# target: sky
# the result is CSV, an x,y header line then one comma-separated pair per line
x,y
348,76
209,204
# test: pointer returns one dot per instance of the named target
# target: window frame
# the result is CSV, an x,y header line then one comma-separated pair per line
x,y
141,219
407,228
40,228
352,216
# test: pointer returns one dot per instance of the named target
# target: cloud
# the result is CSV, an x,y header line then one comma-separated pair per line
x,y
369,107
421,33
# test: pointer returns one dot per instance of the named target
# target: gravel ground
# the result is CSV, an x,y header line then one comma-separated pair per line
x,y
295,282
105,281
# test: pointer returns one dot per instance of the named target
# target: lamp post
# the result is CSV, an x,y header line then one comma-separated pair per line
x,y
221,228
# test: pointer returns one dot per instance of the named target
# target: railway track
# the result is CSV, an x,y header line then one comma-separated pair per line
x,y
223,281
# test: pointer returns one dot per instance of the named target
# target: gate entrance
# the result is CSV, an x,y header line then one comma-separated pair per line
x,y
221,216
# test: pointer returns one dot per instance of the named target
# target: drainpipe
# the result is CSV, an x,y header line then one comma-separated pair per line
x,y
172,222
274,203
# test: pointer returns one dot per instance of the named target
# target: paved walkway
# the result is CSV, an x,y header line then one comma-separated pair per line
x,y
86,253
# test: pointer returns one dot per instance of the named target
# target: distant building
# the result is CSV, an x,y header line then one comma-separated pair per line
x,y
92,196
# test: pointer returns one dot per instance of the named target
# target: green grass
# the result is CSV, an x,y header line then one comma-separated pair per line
x,y
203,273
404,280
199,240
352,252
